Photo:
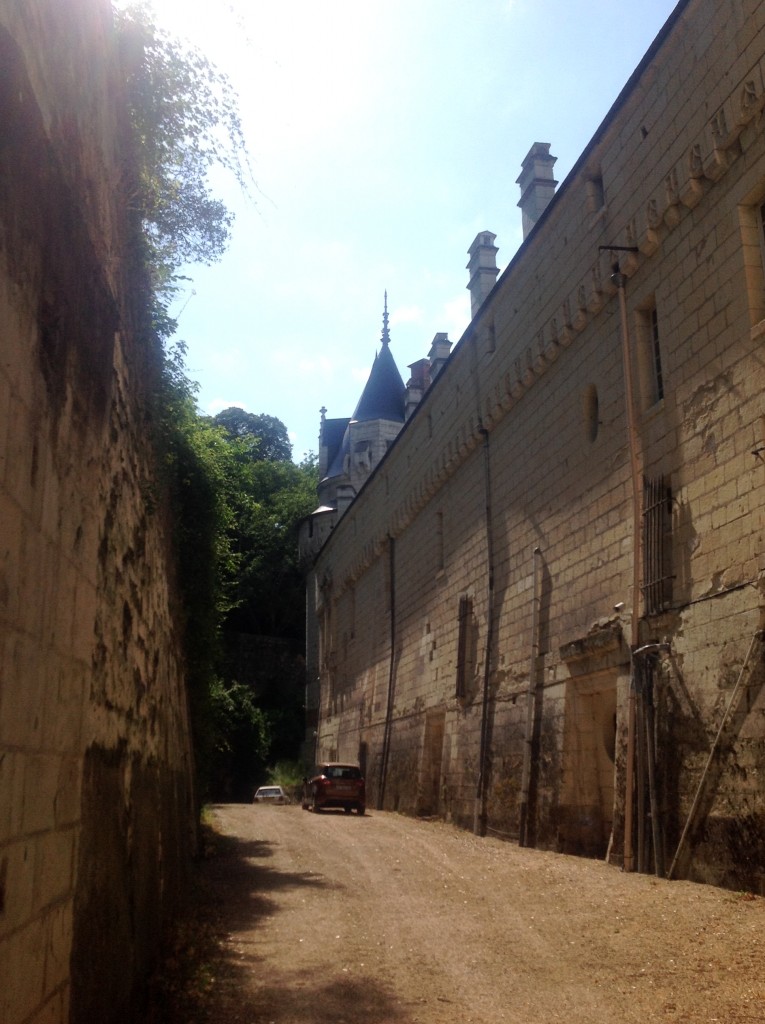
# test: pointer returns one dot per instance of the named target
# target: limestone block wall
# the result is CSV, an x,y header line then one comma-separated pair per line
x,y
96,808
507,501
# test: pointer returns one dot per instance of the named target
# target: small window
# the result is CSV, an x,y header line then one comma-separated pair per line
x,y
465,649
752,227
596,196
439,541
591,413
761,234
491,338
761,226
650,368
658,376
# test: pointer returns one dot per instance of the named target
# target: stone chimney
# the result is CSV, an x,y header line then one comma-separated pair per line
x,y
439,353
537,184
417,384
482,268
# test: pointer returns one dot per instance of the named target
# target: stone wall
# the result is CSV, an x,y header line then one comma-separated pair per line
x,y
96,802
486,569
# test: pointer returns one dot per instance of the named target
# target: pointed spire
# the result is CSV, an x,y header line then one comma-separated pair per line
x,y
385,339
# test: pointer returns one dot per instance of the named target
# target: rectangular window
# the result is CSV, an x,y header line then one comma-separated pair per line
x,y
658,377
464,648
439,541
649,361
491,338
752,227
657,545
596,196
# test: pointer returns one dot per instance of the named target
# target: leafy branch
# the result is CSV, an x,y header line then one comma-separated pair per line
x,y
185,118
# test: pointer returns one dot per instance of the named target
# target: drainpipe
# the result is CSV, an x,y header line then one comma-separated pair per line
x,y
620,280
479,819
391,670
524,829
649,651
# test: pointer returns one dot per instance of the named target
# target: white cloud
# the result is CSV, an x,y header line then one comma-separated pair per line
x,y
227,361
406,315
216,405
456,316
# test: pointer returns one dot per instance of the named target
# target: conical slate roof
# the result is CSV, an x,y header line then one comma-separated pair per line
x,y
384,396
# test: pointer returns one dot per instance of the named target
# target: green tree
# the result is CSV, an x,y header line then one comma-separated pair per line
x,y
241,741
271,434
268,589
200,465
268,595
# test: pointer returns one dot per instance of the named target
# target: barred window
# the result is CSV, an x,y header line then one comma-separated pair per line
x,y
657,545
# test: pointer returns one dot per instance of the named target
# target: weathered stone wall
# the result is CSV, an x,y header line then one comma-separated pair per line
x,y
96,815
520,445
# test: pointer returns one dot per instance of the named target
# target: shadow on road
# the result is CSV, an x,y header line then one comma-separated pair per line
x,y
316,1004
243,879
213,971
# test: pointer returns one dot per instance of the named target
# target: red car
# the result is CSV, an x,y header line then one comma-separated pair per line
x,y
333,784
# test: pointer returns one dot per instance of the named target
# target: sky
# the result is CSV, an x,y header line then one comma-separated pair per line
x,y
383,135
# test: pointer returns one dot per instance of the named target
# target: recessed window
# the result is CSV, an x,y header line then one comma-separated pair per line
x,y
752,226
596,196
466,645
439,541
649,355
656,370
491,338
591,413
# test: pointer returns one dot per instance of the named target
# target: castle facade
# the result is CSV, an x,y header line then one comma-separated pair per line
x,y
536,609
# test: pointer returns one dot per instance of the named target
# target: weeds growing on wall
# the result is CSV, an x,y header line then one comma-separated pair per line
x,y
184,119
235,495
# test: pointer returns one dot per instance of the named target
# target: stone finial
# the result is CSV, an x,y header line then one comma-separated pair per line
x,y
439,353
417,385
537,184
385,336
482,268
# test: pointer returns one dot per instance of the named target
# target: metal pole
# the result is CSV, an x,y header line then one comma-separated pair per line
x,y
620,281
479,815
658,839
391,671
702,780
523,834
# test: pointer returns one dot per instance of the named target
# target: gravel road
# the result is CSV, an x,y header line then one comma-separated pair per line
x,y
385,919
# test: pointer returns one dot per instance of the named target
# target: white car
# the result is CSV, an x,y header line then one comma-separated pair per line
x,y
270,795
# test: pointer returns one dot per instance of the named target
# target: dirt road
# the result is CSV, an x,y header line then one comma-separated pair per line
x,y
383,919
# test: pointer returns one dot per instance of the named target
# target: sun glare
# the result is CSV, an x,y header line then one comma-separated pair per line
x,y
299,74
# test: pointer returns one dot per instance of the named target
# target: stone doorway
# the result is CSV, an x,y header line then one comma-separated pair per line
x,y
429,789
589,742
